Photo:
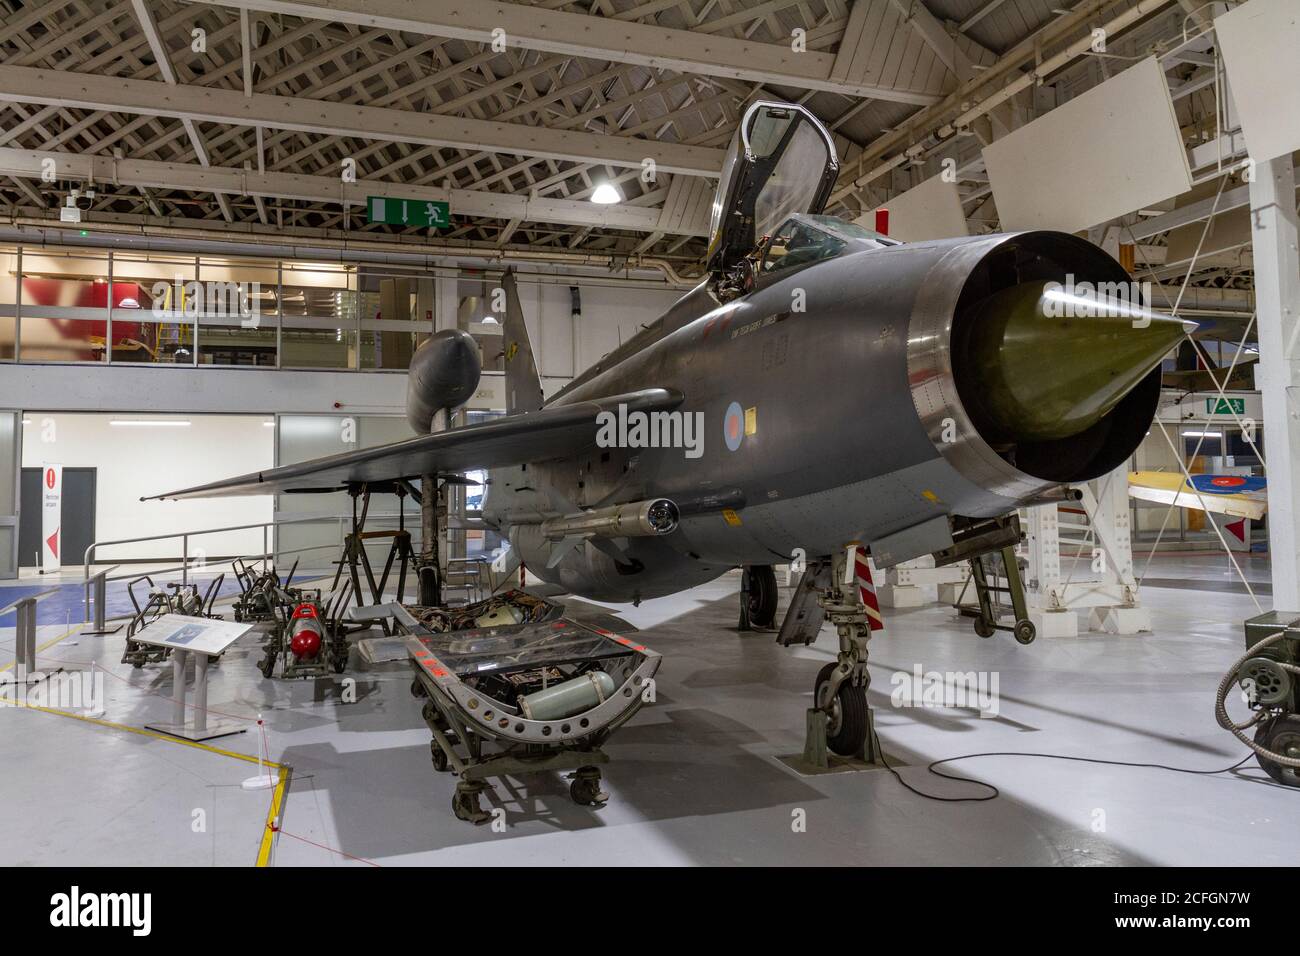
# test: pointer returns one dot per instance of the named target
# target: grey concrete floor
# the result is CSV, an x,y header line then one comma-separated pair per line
x,y
696,777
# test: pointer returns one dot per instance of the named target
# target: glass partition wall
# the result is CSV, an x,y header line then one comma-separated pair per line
x,y
128,306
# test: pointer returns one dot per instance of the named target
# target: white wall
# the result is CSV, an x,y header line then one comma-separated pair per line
x,y
611,315
134,461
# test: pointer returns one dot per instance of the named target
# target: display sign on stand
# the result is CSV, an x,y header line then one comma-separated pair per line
x,y
203,639
51,517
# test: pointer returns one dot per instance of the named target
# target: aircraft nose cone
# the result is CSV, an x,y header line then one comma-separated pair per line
x,y
1040,364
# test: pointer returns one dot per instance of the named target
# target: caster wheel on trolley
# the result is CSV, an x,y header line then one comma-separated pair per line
x,y
464,803
585,788
984,629
417,689
1025,632
438,756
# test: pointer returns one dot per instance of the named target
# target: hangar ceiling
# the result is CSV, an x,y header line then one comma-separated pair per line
x,y
245,116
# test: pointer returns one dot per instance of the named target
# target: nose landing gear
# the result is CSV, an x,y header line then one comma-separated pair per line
x,y
840,720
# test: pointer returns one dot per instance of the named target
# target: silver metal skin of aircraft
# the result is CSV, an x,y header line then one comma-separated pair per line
x,y
823,386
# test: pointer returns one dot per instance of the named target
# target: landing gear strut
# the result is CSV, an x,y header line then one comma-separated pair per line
x,y
840,720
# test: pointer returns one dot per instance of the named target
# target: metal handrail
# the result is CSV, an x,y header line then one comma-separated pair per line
x,y
186,535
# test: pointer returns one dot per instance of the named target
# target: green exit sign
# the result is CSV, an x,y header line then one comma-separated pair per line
x,y
1225,406
424,213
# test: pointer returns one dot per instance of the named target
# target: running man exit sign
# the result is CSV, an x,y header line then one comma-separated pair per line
x,y
423,213
1225,406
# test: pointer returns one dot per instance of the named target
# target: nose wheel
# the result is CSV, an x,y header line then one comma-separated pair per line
x,y
845,707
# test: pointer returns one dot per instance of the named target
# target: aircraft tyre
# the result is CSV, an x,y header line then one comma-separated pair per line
x,y
762,595
846,730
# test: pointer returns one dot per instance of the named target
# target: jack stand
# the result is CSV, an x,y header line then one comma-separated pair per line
x,y
744,600
985,577
355,557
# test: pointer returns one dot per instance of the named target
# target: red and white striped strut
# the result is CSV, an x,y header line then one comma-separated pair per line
x,y
867,589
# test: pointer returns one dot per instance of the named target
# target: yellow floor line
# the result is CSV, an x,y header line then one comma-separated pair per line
x,y
272,813
282,778
47,644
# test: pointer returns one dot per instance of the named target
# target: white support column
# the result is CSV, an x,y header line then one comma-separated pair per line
x,y
1097,576
1277,296
1110,519
1043,586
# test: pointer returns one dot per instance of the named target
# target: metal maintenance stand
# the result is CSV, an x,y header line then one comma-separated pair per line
x,y
357,560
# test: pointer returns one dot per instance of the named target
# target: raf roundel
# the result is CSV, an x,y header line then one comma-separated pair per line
x,y
733,426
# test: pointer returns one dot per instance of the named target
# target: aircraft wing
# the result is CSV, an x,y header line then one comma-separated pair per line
x,y
1237,495
545,434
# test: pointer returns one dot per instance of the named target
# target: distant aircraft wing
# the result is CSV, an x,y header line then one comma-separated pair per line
x,y
1212,379
1238,495
513,440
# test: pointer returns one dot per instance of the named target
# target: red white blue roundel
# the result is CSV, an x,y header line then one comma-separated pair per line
x,y
1227,484
733,426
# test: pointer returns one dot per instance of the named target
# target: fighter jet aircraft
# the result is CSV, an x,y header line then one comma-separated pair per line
x,y
823,386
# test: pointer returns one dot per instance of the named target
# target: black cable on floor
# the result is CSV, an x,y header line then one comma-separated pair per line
x,y
995,792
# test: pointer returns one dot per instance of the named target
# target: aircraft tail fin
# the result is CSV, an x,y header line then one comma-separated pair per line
x,y
523,383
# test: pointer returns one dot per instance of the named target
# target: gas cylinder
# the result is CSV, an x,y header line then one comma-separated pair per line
x,y
305,632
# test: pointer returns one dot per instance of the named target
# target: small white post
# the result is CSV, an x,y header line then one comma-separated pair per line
x,y
96,708
264,779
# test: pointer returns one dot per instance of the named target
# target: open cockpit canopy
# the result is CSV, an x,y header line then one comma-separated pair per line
x,y
781,162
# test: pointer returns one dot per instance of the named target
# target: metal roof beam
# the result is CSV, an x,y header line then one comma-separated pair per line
x,y
593,37
208,105
226,181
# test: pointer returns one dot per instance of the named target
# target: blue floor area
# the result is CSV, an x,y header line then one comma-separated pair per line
x,y
68,604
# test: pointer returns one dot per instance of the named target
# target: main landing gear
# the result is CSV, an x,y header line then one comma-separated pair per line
x,y
758,596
